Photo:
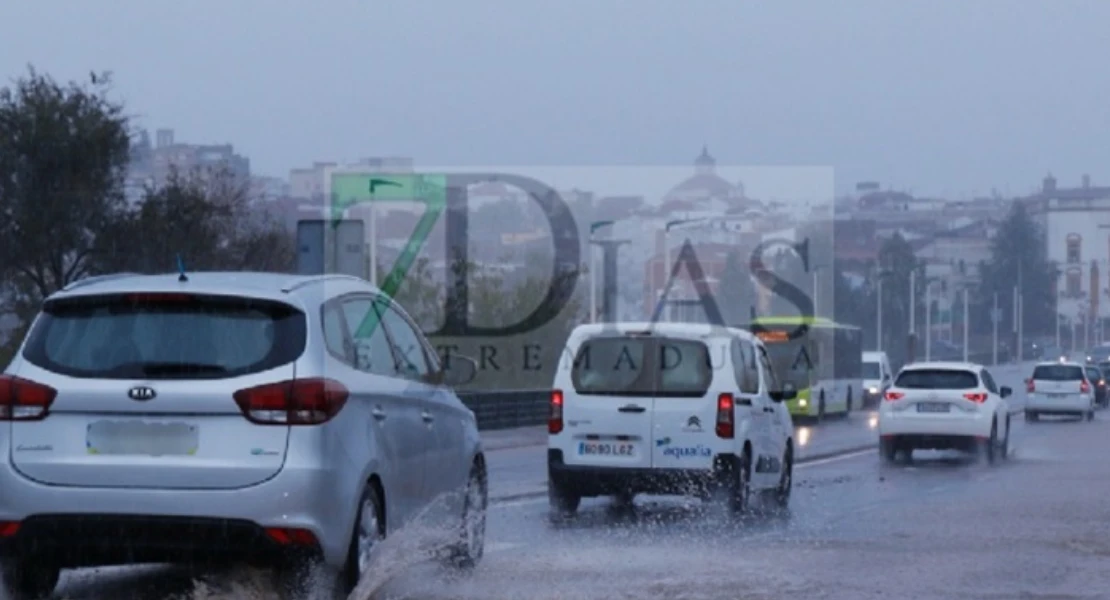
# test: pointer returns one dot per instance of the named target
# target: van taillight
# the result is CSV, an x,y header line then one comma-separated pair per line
x,y
555,418
24,400
293,402
726,427
1084,387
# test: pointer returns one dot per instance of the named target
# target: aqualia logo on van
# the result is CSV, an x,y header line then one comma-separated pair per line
x,y
698,451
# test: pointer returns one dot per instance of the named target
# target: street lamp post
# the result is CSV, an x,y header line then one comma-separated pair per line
x,y
593,271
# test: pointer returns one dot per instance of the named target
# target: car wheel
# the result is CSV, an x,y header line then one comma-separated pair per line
x,y
1091,414
821,407
988,449
468,551
25,581
1004,448
369,531
562,502
849,411
734,485
780,496
888,449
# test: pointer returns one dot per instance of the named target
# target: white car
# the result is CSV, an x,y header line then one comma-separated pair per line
x,y
668,408
1059,388
945,406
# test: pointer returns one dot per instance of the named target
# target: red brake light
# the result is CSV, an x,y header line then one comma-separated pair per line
x,y
726,428
8,528
976,397
892,396
555,419
291,537
1030,386
1084,387
23,399
293,402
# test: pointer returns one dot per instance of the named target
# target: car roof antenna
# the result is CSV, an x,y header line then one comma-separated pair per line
x,y
181,270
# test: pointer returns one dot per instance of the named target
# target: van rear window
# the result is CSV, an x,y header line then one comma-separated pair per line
x,y
1057,373
642,366
937,379
165,336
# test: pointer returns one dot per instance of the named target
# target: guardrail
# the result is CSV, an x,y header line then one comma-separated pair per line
x,y
506,409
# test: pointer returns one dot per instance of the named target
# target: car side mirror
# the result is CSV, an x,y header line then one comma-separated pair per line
x,y
788,392
458,370
1005,391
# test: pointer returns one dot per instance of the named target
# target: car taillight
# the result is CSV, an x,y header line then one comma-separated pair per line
x,y
976,397
892,396
1030,385
293,402
555,419
23,399
726,428
291,537
1084,387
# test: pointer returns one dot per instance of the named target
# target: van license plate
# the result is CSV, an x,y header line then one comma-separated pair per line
x,y
932,407
1057,396
606,449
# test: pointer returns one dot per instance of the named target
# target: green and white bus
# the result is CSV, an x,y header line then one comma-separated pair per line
x,y
825,364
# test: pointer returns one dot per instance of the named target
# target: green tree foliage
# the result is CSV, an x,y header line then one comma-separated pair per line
x,y
64,151
1018,258
896,263
208,218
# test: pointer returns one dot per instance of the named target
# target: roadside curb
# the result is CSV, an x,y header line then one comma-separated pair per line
x,y
802,461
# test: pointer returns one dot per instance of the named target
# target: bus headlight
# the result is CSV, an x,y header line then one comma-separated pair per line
x,y
802,402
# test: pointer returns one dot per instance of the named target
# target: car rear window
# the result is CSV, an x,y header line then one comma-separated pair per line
x,y
165,336
1058,373
642,366
937,379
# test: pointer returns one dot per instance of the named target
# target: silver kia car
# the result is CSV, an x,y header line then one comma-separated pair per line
x,y
270,419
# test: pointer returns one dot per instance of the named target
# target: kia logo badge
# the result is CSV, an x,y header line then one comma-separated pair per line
x,y
141,393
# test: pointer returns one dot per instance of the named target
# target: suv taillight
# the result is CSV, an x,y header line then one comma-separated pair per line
x,y
293,402
1030,385
555,417
892,396
1084,387
726,428
24,400
976,397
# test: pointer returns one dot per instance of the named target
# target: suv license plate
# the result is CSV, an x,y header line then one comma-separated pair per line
x,y
932,407
606,449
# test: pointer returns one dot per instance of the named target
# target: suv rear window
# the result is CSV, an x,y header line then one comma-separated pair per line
x,y
165,336
642,366
1058,373
937,379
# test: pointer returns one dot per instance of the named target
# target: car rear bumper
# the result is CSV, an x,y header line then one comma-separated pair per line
x,y
208,521
1069,404
903,423
588,481
79,540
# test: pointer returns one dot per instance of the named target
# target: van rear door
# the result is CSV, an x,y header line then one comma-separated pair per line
x,y
685,420
608,411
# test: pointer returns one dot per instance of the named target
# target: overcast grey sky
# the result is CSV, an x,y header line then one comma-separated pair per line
x,y
942,97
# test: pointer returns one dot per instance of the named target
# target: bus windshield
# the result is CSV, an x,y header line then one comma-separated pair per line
x,y
792,362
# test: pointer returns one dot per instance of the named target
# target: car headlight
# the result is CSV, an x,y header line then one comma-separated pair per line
x,y
873,390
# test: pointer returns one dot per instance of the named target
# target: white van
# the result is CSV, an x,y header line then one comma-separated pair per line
x,y
667,408
877,377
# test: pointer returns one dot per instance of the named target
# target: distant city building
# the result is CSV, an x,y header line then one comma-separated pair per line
x,y
151,164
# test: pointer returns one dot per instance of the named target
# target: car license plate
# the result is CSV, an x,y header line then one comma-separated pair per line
x,y
606,449
932,407
142,438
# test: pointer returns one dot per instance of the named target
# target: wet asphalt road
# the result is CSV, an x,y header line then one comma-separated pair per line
x,y
944,526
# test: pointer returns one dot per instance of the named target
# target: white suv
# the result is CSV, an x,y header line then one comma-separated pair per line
x,y
667,408
1059,388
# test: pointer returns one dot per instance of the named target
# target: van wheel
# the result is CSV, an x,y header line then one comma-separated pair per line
x,y
466,553
780,496
562,502
25,581
1031,416
735,485
821,407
